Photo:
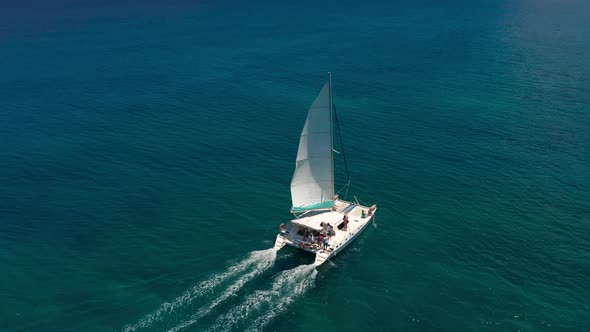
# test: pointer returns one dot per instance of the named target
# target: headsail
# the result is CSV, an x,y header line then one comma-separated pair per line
x,y
312,186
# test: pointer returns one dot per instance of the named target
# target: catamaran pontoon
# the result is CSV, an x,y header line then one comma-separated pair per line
x,y
317,210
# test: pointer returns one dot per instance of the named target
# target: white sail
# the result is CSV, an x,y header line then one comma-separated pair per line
x,y
313,179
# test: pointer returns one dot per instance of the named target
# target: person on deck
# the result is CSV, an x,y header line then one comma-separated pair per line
x,y
331,231
306,237
326,243
320,239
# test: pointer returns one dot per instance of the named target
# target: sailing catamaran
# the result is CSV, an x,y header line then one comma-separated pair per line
x,y
323,224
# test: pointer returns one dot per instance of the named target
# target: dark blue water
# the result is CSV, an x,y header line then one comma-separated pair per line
x,y
146,149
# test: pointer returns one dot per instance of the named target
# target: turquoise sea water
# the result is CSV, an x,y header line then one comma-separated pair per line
x,y
146,150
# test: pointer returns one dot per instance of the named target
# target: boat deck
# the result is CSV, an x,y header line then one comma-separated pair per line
x,y
355,223
341,237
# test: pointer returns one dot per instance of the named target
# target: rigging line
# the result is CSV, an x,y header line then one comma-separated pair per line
x,y
347,187
344,187
341,144
359,200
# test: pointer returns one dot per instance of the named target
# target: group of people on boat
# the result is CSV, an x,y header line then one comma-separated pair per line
x,y
317,240
320,238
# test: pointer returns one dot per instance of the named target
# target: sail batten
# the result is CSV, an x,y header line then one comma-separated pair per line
x,y
313,180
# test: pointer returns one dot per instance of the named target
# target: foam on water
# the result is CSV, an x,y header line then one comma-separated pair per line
x,y
280,306
266,257
286,287
262,259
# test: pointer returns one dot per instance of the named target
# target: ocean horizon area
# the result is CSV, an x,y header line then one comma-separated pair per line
x,y
147,150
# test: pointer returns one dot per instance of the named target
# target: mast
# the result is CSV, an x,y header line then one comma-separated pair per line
x,y
331,127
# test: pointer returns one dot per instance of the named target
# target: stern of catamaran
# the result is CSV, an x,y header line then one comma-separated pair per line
x,y
321,257
279,242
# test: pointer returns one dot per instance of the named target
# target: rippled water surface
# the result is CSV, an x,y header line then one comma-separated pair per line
x,y
146,152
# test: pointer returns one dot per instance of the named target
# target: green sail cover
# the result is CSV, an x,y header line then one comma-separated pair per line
x,y
319,206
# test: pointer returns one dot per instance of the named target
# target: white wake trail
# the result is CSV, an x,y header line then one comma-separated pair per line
x,y
281,305
287,286
266,261
199,290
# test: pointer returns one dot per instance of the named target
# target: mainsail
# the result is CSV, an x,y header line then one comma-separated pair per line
x,y
312,186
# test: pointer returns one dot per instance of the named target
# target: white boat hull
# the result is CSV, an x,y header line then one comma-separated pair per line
x,y
323,256
356,225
